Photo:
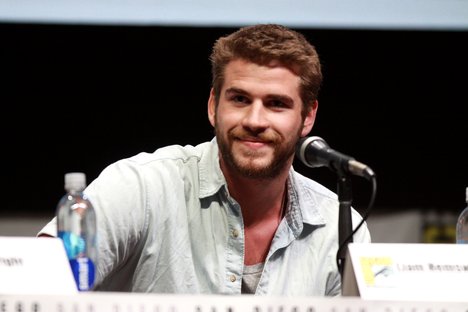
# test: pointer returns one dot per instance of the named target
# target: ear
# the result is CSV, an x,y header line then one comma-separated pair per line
x,y
309,119
212,107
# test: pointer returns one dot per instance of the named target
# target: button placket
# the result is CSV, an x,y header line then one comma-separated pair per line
x,y
235,247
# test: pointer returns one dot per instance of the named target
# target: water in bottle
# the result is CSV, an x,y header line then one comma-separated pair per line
x,y
76,226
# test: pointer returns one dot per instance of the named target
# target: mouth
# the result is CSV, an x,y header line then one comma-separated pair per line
x,y
253,142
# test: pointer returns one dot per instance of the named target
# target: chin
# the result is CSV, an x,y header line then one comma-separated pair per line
x,y
263,170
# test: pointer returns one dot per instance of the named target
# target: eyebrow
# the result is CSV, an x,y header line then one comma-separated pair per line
x,y
236,91
278,97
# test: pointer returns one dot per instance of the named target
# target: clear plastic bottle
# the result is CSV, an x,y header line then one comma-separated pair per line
x,y
76,226
462,224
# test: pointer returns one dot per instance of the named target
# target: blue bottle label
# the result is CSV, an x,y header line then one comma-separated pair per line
x,y
83,271
81,266
74,244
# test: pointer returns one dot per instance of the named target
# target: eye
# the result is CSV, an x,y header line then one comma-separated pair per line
x,y
239,99
277,103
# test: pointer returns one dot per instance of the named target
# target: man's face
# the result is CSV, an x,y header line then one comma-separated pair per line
x,y
258,119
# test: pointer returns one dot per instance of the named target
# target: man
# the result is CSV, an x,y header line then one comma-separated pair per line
x,y
228,216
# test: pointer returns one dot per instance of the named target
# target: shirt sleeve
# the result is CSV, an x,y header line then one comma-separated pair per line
x,y
119,199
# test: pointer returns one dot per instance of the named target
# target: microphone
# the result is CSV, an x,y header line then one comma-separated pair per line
x,y
314,152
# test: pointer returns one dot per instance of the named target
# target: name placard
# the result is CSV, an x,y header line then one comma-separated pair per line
x,y
30,265
383,271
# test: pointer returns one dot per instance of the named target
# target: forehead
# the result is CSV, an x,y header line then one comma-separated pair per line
x,y
252,77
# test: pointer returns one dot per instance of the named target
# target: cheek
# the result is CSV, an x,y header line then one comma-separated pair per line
x,y
221,122
292,127
225,118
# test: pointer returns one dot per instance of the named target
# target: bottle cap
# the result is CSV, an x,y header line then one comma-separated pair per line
x,y
75,181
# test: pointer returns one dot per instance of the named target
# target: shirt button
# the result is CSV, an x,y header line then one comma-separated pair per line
x,y
235,233
232,278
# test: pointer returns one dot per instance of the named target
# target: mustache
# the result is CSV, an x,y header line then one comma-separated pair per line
x,y
242,134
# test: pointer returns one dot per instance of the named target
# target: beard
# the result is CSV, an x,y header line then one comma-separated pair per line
x,y
252,164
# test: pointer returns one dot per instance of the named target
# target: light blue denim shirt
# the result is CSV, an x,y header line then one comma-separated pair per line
x,y
166,224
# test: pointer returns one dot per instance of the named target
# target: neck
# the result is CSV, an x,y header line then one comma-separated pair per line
x,y
259,199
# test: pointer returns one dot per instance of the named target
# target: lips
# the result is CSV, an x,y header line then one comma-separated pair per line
x,y
253,140
254,144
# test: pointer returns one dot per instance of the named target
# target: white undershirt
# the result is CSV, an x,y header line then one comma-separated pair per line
x,y
251,277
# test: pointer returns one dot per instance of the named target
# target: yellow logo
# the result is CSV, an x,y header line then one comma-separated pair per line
x,y
373,268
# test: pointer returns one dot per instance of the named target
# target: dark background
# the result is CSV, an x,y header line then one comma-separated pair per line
x,y
77,98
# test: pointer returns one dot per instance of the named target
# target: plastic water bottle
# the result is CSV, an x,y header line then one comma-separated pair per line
x,y
462,224
76,226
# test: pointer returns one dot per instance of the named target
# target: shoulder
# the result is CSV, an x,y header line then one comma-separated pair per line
x,y
172,153
163,159
138,171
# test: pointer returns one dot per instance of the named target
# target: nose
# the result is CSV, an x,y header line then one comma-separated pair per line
x,y
255,117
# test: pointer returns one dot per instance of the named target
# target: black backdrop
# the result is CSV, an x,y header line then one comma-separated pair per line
x,y
76,98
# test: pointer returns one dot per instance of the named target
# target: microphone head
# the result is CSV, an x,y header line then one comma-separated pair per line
x,y
314,152
307,150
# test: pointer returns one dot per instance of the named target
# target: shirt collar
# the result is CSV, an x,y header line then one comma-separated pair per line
x,y
303,207
211,176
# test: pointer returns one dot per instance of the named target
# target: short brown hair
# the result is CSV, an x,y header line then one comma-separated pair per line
x,y
264,43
